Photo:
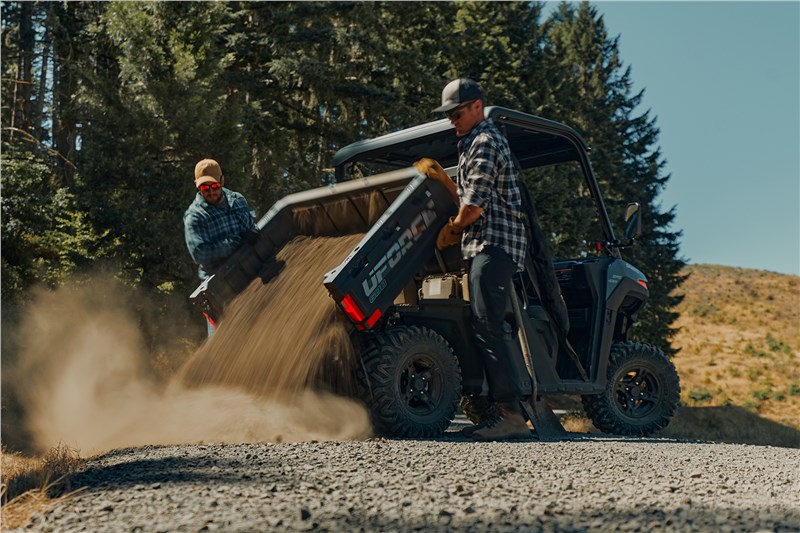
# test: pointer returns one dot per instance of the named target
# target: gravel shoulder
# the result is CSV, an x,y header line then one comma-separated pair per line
x,y
589,483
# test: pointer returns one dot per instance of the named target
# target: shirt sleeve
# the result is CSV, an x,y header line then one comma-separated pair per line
x,y
248,222
481,161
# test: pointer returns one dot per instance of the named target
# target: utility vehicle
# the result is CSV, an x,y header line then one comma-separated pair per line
x,y
568,323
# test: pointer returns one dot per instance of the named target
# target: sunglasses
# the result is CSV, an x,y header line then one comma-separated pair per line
x,y
455,113
209,186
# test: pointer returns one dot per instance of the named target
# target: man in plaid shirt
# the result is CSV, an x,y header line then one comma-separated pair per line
x,y
217,221
493,241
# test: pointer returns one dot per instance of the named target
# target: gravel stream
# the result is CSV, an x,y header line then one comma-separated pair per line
x,y
589,483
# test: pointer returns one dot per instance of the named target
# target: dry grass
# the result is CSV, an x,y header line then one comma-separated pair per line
x,y
739,342
30,485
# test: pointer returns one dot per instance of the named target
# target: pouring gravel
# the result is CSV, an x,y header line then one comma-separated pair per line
x,y
590,483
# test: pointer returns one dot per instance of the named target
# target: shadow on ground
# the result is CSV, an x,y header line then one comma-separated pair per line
x,y
730,424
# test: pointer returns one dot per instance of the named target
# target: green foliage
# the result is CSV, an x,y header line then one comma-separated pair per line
x,y
751,406
159,107
587,87
755,352
777,345
762,394
45,237
701,395
724,400
754,373
705,310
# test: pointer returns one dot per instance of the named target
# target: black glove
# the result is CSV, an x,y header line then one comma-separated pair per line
x,y
250,236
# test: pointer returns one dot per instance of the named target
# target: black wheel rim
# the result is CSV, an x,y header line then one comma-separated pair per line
x,y
637,391
420,385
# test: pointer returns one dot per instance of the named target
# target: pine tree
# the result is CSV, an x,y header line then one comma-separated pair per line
x,y
45,235
499,46
593,93
318,76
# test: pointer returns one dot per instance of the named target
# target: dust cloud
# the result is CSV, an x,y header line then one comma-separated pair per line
x,y
278,368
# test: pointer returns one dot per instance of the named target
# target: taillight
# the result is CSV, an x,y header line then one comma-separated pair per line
x,y
351,309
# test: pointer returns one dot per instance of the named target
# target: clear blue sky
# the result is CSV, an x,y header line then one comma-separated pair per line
x,y
723,80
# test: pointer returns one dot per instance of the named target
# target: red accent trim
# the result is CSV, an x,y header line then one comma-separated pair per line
x,y
374,318
642,282
210,320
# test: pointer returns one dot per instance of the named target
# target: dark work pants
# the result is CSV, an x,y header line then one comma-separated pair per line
x,y
490,291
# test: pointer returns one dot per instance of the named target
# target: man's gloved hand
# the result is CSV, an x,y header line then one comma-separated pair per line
x,y
450,234
250,236
432,169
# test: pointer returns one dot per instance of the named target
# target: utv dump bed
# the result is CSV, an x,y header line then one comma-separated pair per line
x,y
397,247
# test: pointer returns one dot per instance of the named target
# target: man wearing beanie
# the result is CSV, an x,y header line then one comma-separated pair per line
x,y
493,242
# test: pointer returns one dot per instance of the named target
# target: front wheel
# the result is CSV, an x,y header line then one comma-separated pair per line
x,y
641,395
411,382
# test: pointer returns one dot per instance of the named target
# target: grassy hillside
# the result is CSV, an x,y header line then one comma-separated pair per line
x,y
739,344
740,341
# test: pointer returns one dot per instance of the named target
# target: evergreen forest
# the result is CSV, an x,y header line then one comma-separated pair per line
x,y
107,106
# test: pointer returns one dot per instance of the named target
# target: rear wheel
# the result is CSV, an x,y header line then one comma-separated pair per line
x,y
641,395
411,382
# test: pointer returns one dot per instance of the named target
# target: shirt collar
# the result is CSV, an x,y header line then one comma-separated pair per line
x,y
481,126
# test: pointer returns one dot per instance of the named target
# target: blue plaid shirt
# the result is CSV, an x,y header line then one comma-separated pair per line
x,y
213,231
487,179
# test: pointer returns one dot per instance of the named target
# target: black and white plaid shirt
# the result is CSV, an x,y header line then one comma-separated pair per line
x,y
487,179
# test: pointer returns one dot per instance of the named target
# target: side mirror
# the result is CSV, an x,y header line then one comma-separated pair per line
x,y
634,219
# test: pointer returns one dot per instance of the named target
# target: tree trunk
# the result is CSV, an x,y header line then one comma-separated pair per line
x,y
38,130
64,27
27,48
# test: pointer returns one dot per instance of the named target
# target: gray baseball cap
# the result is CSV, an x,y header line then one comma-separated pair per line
x,y
457,92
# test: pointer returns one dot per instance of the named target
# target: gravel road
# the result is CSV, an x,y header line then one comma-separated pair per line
x,y
589,483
